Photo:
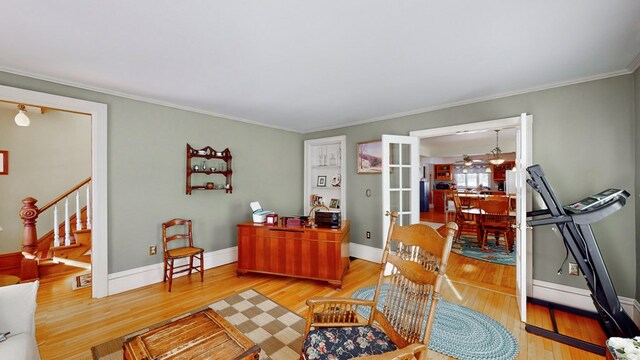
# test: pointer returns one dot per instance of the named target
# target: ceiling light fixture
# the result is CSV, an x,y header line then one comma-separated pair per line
x,y
21,118
487,169
497,158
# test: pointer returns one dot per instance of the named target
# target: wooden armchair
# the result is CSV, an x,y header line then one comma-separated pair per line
x,y
495,219
413,272
180,231
465,222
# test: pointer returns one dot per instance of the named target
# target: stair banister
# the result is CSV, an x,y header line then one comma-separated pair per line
x,y
29,215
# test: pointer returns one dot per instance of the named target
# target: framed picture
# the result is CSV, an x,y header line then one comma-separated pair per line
x,y
369,157
4,162
334,204
322,181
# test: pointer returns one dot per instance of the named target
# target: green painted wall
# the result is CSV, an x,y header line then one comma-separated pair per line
x,y
47,158
146,181
583,136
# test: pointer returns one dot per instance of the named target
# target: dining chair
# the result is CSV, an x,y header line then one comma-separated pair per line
x,y
399,325
465,222
177,243
494,218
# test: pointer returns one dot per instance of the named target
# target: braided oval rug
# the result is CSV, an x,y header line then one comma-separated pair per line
x,y
459,332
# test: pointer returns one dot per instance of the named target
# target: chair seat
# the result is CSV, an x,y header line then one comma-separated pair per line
x,y
183,252
346,343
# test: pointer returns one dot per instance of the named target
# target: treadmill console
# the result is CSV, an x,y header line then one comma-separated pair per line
x,y
594,201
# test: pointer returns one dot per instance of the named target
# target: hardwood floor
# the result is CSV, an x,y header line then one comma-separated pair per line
x,y
69,322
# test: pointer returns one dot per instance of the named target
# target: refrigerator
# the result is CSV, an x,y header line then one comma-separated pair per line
x,y
424,195
510,182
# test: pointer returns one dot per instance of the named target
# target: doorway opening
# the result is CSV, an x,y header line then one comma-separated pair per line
x,y
98,114
522,126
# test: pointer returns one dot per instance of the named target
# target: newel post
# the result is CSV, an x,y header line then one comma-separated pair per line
x,y
29,215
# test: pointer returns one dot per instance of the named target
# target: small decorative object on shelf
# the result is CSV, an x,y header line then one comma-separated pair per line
x,y
335,180
197,166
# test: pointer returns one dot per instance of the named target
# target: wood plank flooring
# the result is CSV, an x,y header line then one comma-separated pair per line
x,y
69,323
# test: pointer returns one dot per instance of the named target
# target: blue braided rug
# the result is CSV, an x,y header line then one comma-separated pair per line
x,y
469,247
458,331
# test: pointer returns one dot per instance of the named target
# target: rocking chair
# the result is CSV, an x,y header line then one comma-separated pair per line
x,y
399,326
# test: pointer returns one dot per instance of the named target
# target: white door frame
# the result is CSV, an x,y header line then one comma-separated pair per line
x,y
514,122
98,113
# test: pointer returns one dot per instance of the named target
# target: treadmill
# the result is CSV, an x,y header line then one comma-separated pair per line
x,y
574,223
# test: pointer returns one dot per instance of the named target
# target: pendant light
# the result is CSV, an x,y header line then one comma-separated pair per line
x,y
497,158
21,118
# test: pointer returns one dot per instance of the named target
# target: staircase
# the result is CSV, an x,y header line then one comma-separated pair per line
x,y
67,246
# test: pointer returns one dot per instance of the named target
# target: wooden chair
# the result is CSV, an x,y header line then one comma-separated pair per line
x,y
414,273
494,218
464,221
180,229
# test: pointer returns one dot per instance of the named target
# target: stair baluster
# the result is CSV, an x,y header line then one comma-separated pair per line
x,y
67,225
78,219
88,207
56,227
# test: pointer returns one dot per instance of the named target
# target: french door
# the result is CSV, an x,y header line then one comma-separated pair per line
x,y
400,179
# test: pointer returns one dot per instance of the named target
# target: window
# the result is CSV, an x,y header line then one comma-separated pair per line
x,y
472,178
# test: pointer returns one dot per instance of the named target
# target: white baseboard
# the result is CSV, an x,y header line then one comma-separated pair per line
x,y
365,252
151,274
579,298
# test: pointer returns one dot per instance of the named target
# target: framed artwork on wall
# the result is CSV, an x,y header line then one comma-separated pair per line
x,y
4,162
369,157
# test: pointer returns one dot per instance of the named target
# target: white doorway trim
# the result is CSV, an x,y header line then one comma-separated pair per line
x,y
98,113
513,122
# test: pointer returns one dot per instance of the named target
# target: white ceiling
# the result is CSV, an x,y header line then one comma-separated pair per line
x,y
312,65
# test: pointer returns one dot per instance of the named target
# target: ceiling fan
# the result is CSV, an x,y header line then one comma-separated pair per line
x,y
468,161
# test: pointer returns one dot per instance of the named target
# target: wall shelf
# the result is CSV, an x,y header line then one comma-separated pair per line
x,y
199,159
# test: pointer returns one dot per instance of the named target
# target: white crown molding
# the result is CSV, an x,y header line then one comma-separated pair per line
x,y
635,64
477,100
138,98
630,69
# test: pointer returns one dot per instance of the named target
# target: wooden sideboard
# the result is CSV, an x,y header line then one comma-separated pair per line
x,y
309,253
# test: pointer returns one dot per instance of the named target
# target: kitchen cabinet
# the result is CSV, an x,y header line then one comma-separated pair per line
x,y
443,171
499,171
439,200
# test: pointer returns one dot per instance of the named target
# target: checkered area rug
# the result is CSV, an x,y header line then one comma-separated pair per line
x,y
271,326
275,329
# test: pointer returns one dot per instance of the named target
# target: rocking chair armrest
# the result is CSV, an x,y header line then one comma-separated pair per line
x,y
406,353
329,300
335,312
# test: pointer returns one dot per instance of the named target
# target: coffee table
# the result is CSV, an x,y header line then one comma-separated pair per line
x,y
203,335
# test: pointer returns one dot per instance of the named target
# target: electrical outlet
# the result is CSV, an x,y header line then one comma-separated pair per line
x,y
368,234
153,250
573,269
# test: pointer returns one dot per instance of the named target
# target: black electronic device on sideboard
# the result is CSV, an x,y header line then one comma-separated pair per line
x,y
328,219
